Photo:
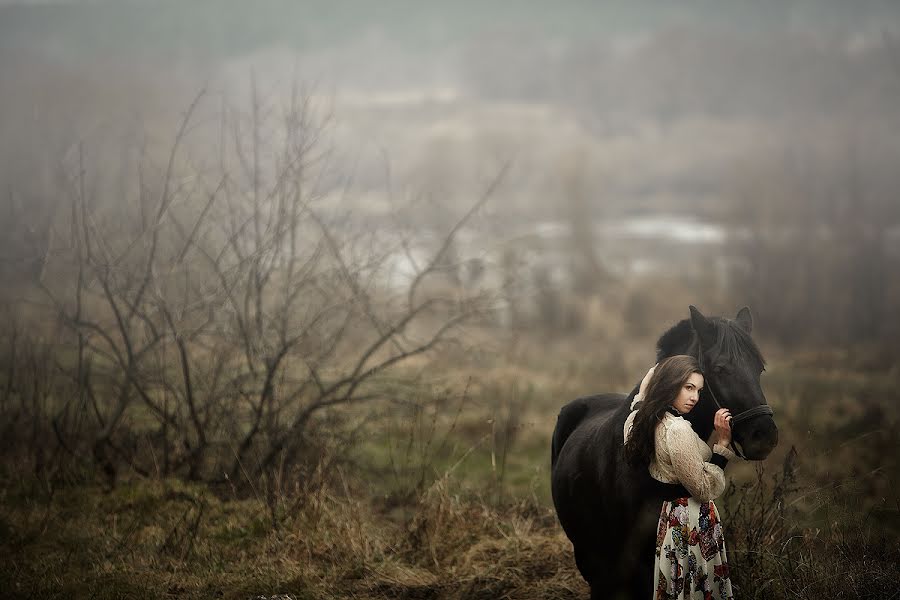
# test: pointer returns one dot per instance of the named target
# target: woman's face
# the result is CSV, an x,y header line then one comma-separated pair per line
x,y
689,394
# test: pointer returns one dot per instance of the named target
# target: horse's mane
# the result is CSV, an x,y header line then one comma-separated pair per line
x,y
676,340
732,342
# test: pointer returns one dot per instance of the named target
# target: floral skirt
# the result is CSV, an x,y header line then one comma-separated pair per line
x,y
690,553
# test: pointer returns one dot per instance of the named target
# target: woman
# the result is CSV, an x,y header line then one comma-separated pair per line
x,y
690,549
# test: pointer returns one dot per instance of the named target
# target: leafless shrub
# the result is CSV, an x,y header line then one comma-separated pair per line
x,y
774,554
207,324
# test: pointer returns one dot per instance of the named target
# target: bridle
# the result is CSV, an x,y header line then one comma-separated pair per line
x,y
756,411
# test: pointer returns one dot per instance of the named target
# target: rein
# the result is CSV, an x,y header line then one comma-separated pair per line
x,y
756,411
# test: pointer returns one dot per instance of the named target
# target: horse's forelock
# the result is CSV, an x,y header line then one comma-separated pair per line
x,y
734,344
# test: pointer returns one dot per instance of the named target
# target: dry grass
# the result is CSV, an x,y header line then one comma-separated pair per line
x,y
780,550
166,539
452,501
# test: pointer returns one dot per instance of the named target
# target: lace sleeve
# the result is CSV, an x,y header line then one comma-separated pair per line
x,y
705,481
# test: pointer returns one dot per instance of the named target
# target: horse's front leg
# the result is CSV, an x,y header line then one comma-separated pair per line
x,y
599,567
641,582
593,563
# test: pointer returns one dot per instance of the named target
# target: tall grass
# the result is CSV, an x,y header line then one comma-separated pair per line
x,y
445,494
156,539
789,540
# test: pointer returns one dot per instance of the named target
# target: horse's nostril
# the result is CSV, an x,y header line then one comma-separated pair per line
x,y
763,436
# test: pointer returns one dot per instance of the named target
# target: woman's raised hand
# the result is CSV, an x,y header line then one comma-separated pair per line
x,y
643,389
722,423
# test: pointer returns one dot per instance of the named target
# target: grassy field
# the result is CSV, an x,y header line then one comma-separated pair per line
x,y
444,493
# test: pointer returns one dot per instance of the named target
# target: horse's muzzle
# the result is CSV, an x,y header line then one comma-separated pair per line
x,y
757,437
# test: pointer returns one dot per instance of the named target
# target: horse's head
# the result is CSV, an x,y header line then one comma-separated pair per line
x,y
732,365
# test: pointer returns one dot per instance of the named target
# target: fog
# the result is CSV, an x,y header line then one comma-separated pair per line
x,y
650,140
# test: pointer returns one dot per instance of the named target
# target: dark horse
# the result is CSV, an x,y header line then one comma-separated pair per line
x,y
608,509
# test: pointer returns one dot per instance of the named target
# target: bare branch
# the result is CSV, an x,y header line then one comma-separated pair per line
x,y
448,240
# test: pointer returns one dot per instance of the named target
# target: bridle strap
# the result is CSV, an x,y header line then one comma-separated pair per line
x,y
756,411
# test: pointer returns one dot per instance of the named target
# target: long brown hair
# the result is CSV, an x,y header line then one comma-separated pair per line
x,y
663,388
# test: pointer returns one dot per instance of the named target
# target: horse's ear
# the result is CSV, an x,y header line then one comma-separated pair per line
x,y
705,328
745,319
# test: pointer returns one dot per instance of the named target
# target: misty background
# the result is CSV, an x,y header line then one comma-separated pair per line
x,y
747,149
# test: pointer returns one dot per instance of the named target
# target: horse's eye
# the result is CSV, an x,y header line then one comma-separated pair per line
x,y
720,370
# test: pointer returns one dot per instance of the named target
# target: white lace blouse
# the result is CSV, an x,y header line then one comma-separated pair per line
x,y
682,457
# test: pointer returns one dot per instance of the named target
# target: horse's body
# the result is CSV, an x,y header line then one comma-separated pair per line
x,y
608,509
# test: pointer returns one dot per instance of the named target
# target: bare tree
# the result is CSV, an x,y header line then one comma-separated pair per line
x,y
222,310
